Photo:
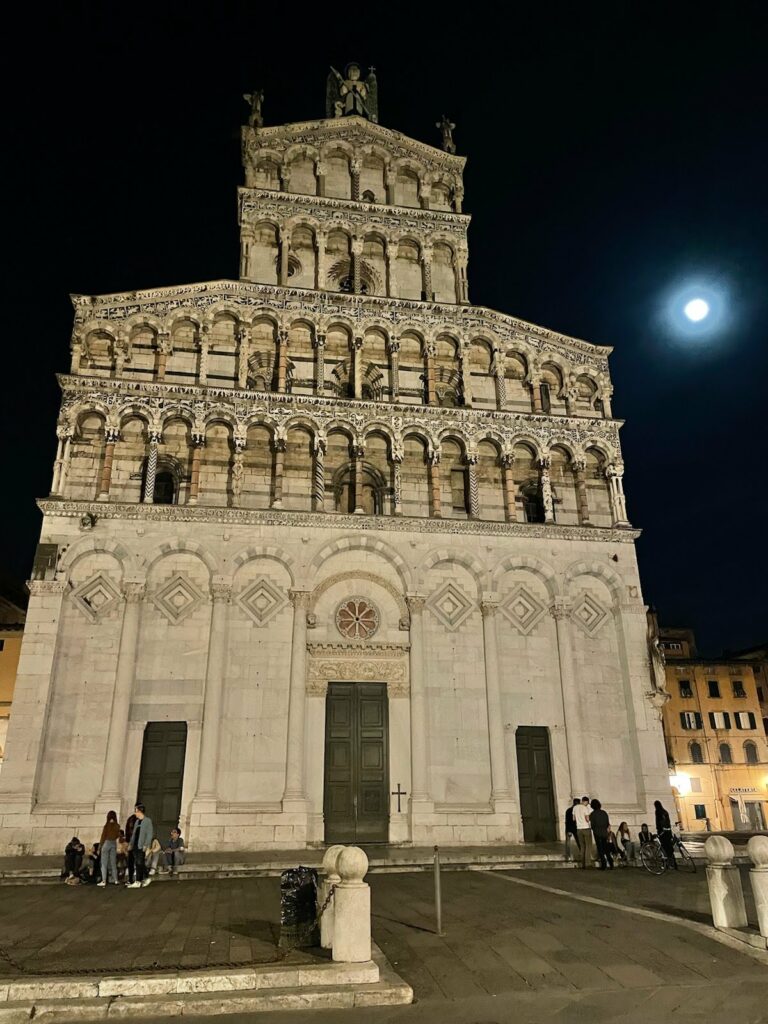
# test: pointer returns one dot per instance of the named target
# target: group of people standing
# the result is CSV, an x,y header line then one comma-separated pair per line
x,y
131,854
588,826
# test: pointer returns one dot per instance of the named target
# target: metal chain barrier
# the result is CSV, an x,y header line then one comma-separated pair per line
x,y
325,905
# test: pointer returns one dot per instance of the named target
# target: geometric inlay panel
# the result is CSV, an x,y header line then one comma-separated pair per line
x,y
357,618
588,613
450,606
522,609
261,601
96,597
177,598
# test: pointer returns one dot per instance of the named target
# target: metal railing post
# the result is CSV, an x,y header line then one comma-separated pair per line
x,y
438,894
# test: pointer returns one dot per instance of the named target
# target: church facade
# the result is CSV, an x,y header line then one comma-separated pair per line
x,y
331,554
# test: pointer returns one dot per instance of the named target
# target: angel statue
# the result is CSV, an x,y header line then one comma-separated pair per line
x,y
446,127
255,99
351,95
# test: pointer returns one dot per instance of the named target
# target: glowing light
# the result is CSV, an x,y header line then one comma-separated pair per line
x,y
682,783
696,309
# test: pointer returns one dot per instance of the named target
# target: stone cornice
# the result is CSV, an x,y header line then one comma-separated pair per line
x,y
351,129
371,211
329,521
160,302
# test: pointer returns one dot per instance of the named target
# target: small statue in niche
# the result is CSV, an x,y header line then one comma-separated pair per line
x,y
256,100
446,127
349,94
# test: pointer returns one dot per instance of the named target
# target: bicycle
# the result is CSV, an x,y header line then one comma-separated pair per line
x,y
654,858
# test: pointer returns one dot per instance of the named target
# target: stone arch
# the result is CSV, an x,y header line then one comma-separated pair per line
x,y
338,577
179,547
92,545
362,543
473,565
270,551
606,575
544,572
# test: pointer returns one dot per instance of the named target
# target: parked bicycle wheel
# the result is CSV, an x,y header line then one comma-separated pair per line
x,y
653,859
687,863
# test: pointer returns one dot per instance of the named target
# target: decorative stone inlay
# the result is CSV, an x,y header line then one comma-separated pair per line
x,y
96,597
589,614
177,598
358,663
522,609
450,606
357,619
261,601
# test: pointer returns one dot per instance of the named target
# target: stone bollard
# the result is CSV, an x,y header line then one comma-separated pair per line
x,y
330,879
352,911
725,893
757,848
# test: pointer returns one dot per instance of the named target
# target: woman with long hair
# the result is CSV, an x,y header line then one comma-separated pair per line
x,y
109,836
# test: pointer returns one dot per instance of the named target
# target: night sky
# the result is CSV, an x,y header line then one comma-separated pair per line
x,y
616,152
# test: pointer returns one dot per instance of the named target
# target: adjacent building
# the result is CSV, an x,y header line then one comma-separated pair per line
x,y
330,553
13,604
716,743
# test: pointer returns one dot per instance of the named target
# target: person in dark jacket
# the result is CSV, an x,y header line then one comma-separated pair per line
x,y
571,834
664,832
108,846
130,825
74,852
141,840
600,826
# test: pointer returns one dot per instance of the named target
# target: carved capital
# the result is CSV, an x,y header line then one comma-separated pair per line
x,y
433,457
319,340
64,432
545,462
300,599
489,606
198,439
111,435
221,590
357,343
508,460
471,458
357,451
155,436
415,603
37,587
134,592
560,609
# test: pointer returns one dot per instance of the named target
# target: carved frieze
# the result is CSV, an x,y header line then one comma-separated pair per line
x,y
359,663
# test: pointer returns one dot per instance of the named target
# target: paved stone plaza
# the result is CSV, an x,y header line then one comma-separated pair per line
x,y
508,950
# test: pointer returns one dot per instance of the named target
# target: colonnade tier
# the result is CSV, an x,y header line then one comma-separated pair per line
x,y
341,358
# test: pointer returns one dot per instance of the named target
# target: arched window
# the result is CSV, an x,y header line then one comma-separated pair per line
x,y
750,753
697,757
368,196
726,757
167,477
532,502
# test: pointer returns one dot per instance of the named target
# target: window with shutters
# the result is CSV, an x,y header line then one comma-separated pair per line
x,y
750,753
726,757
685,688
696,753
745,720
690,719
738,688
719,720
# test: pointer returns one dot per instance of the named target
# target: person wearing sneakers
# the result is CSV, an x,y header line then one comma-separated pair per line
x,y
108,849
141,840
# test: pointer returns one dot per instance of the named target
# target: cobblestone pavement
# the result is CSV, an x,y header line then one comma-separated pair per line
x,y
509,953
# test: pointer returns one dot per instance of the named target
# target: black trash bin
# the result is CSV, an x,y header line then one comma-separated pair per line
x,y
298,908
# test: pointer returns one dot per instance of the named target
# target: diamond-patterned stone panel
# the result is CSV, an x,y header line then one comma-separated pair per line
x,y
96,597
588,613
522,609
450,606
261,601
177,598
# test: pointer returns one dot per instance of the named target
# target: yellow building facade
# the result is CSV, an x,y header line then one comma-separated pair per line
x,y
716,744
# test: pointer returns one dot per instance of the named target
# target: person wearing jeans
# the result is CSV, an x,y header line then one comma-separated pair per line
x,y
140,842
581,813
108,849
174,851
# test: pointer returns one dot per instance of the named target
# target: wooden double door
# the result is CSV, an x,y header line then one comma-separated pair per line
x,y
162,774
356,794
537,797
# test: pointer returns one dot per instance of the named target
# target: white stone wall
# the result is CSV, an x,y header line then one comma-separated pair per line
x,y
605,736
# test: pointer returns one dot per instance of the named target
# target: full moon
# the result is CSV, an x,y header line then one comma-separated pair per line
x,y
696,309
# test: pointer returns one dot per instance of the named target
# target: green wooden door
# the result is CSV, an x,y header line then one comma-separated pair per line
x,y
162,774
534,770
356,799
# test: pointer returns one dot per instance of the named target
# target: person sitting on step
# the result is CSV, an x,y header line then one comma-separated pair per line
x,y
175,852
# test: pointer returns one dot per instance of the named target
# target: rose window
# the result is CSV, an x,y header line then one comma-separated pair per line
x,y
357,619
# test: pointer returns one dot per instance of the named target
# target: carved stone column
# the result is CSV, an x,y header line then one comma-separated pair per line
x,y
425,193
546,490
320,279
499,776
215,671
111,437
198,443
357,256
389,184
151,473
163,351
615,475
320,171
426,271
357,367
499,381
474,493
572,718
419,734
358,455
246,241
458,198
243,352
294,772
355,168
390,256
277,490
64,440
606,400
510,488
535,384
397,483
579,470
282,359
466,374
205,344
285,244
318,476
433,458
238,470
114,766
462,293
429,358
319,364
393,347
